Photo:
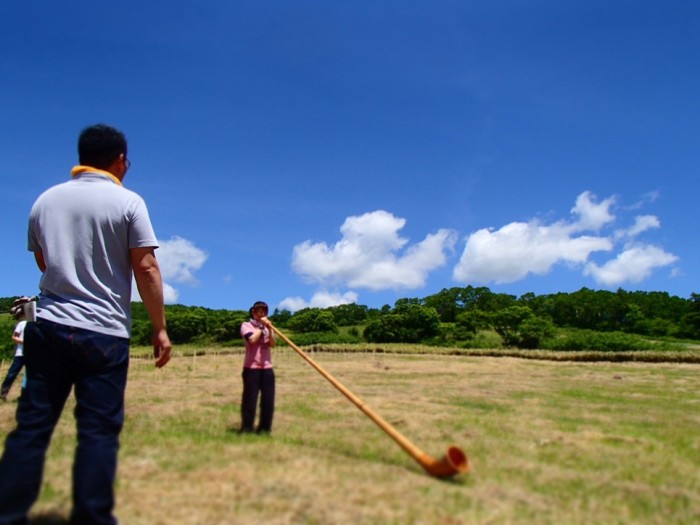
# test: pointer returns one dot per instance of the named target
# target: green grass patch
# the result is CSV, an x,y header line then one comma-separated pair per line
x,y
549,442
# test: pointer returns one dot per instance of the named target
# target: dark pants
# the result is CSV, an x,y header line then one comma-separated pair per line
x,y
59,358
258,381
12,373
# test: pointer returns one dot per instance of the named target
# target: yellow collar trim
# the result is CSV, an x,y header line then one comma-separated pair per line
x,y
79,170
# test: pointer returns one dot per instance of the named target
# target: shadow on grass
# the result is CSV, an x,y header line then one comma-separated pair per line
x,y
49,518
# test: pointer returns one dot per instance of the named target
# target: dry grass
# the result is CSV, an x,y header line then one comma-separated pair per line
x,y
549,442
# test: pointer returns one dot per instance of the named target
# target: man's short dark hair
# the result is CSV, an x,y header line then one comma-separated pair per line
x,y
100,145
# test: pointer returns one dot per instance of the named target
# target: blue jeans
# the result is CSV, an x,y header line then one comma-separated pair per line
x,y
58,358
12,373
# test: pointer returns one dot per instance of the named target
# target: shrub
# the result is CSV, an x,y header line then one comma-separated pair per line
x,y
468,323
533,330
7,346
602,341
407,323
690,326
313,320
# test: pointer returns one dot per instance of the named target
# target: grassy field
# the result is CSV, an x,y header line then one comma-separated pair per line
x,y
549,443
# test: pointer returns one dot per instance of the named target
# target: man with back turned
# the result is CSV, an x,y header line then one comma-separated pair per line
x,y
89,235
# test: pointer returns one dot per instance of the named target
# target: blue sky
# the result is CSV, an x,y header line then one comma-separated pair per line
x,y
311,153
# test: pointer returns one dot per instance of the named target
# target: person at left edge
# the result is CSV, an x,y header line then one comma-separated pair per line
x,y
89,236
18,361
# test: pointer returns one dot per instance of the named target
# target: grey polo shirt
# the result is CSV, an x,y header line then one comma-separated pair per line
x,y
85,228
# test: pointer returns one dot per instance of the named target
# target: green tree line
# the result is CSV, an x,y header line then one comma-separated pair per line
x,y
459,316
456,316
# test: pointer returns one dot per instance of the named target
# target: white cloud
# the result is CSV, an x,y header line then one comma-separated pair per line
x,y
179,259
321,299
632,265
642,223
519,249
367,255
647,198
591,216
170,294
293,304
677,272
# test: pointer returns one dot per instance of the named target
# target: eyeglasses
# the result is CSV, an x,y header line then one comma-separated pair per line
x,y
127,163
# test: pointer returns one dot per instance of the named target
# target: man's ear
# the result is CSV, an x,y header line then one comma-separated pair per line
x,y
118,167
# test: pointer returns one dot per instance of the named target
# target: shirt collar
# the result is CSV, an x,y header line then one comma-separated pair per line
x,y
79,170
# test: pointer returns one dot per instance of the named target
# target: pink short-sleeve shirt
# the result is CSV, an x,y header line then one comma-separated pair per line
x,y
258,354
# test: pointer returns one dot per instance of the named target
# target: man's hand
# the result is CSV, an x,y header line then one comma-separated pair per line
x,y
161,348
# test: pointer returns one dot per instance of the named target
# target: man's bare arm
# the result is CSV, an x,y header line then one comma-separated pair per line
x,y
40,262
150,285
